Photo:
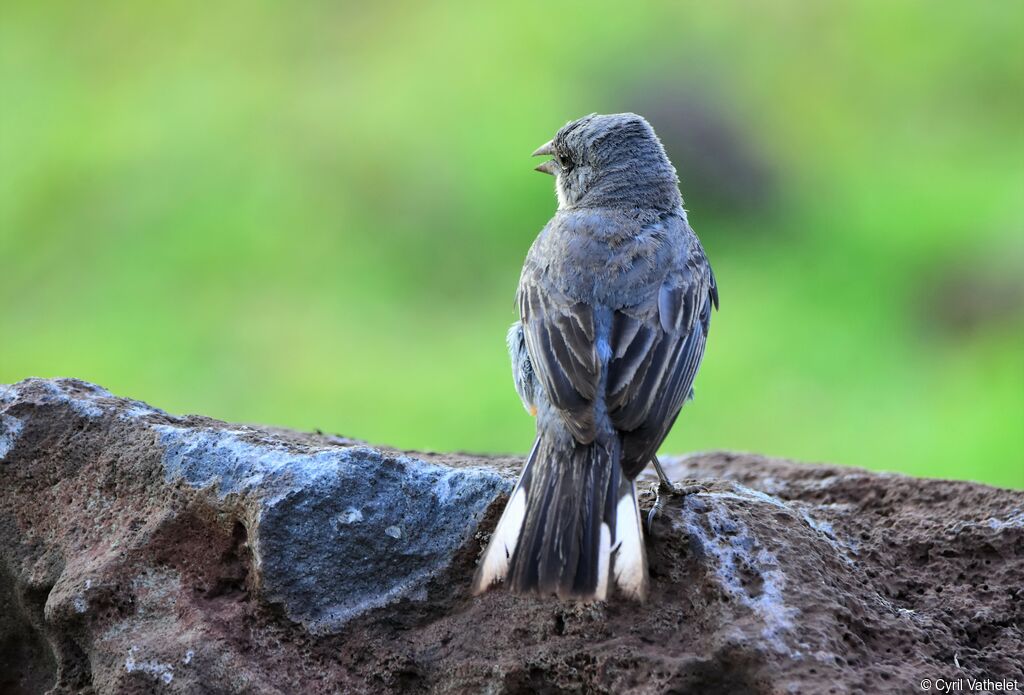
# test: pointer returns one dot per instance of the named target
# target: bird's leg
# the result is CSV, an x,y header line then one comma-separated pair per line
x,y
664,484
669,489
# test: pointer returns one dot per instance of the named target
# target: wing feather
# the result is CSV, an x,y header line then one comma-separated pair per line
x,y
624,332
650,379
559,337
656,349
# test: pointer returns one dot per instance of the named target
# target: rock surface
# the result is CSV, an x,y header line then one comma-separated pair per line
x,y
144,552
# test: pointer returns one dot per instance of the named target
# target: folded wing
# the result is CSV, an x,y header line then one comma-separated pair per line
x,y
656,351
560,339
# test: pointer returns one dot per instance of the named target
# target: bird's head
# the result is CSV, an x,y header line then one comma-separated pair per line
x,y
610,161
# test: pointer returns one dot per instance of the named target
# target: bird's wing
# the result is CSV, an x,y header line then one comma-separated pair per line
x,y
560,339
657,347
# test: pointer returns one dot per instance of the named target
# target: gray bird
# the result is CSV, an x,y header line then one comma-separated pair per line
x,y
614,304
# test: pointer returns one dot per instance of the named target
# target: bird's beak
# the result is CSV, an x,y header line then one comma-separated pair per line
x,y
548,148
550,166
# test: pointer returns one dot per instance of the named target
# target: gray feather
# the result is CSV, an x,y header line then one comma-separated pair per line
x,y
614,301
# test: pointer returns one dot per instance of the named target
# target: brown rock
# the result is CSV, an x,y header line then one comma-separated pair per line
x,y
143,552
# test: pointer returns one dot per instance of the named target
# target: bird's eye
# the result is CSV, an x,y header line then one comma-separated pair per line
x,y
563,161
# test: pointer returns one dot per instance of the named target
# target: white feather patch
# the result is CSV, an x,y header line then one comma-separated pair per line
x,y
503,542
603,560
630,564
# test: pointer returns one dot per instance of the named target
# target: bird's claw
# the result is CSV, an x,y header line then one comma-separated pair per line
x,y
658,504
664,489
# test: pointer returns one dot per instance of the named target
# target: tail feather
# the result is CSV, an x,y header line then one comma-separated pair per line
x,y
494,566
630,565
571,527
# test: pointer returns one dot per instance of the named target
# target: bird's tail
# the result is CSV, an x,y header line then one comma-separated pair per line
x,y
571,527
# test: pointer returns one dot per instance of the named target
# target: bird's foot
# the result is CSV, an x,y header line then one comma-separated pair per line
x,y
665,489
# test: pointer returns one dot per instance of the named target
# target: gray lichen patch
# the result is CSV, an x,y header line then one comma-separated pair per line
x,y
413,516
10,430
744,565
164,672
339,530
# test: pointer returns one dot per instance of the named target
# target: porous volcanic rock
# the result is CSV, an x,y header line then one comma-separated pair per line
x,y
142,552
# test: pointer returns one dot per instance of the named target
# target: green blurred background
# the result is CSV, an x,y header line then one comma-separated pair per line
x,y
314,214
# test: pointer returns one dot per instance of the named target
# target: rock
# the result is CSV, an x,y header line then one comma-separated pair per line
x,y
145,552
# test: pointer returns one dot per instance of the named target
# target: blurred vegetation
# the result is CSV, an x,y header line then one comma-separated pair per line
x,y
314,214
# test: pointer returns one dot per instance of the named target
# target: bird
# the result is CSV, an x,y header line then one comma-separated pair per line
x,y
614,301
